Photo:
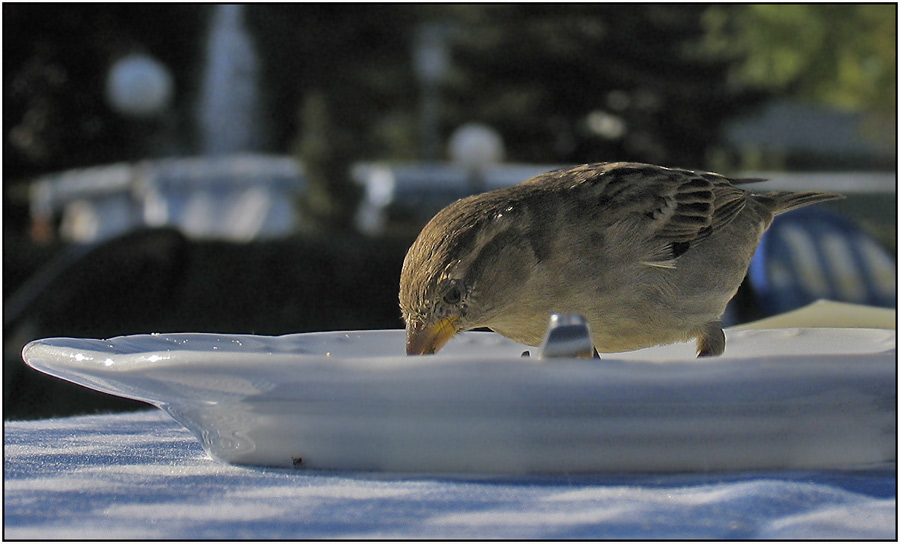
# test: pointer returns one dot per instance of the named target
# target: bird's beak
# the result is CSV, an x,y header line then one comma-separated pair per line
x,y
422,339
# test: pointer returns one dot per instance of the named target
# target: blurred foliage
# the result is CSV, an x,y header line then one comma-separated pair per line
x,y
843,55
593,81
562,83
330,196
55,61
355,56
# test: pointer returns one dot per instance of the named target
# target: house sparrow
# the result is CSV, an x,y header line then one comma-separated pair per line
x,y
648,255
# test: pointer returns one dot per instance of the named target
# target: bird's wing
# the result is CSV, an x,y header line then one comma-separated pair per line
x,y
676,207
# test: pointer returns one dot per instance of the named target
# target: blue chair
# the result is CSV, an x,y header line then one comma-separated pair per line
x,y
813,253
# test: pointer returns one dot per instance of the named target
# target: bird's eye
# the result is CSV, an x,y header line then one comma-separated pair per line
x,y
453,295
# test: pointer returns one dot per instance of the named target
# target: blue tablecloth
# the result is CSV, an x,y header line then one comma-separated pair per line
x,y
142,476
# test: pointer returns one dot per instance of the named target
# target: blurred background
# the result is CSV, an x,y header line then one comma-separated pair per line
x,y
263,168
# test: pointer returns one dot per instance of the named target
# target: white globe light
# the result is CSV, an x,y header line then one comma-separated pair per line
x,y
139,86
476,145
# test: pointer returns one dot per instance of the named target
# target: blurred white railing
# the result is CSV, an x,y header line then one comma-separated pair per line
x,y
247,197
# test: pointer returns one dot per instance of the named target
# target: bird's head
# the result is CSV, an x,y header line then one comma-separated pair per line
x,y
436,314
454,276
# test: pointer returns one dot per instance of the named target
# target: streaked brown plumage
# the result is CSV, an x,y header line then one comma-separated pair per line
x,y
648,255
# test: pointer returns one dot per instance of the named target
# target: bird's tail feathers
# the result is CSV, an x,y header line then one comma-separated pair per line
x,y
784,201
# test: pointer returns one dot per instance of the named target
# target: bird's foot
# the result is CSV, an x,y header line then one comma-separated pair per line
x,y
711,340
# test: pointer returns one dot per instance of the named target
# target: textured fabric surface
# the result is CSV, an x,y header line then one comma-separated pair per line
x,y
143,476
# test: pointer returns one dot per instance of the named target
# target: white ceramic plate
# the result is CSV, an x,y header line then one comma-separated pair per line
x,y
780,398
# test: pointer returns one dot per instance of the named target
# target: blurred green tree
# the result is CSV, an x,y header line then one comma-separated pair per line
x,y
562,83
330,198
592,82
354,57
56,58
843,55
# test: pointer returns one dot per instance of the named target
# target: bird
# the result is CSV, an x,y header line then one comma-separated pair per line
x,y
648,255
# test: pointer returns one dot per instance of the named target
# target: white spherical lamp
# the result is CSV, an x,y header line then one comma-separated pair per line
x,y
139,86
476,146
